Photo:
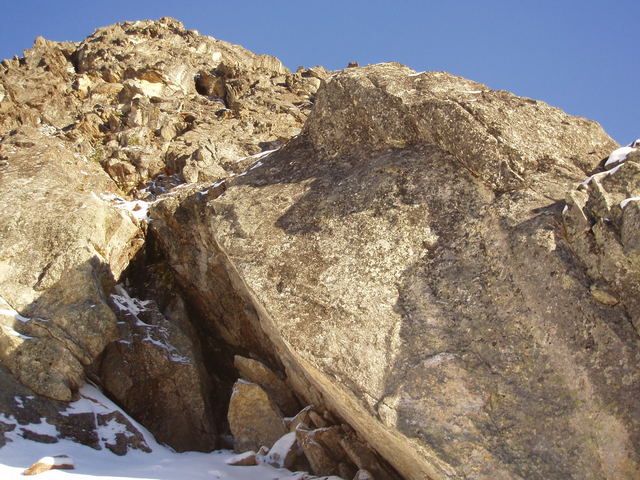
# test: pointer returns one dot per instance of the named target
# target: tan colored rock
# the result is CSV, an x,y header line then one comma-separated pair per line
x,y
365,459
330,438
319,459
246,459
603,296
62,245
254,419
62,462
460,116
316,419
301,417
257,372
601,223
405,259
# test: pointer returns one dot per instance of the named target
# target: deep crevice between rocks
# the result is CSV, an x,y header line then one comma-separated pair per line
x,y
149,277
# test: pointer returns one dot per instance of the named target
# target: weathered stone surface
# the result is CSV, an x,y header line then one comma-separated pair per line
x,y
319,459
154,371
301,417
153,98
257,372
61,246
364,458
601,222
494,135
153,105
404,258
404,261
253,418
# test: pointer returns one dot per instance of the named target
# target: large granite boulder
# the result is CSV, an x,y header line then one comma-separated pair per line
x,y
405,258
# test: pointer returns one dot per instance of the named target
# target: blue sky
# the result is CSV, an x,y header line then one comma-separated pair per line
x,y
581,56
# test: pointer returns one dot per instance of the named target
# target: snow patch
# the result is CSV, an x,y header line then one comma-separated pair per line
x,y
619,155
239,458
626,201
127,303
258,155
161,464
278,453
139,209
42,428
48,130
602,174
13,333
8,311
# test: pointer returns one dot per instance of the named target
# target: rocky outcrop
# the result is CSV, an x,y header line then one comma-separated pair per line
x,y
62,245
137,108
404,263
493,135
155,372
156,100
277,389
415,278
602,225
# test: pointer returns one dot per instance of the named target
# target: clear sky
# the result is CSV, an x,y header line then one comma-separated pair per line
x,y
581,56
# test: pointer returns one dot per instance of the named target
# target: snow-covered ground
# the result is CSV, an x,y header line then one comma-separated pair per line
x,y
161,464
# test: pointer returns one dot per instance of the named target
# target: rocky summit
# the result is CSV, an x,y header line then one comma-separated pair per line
x,y
372,273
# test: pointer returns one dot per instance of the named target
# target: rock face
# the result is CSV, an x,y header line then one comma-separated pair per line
x,y
138,108
602,226
406,263
154,372
62,244
417,277
278,390
156,99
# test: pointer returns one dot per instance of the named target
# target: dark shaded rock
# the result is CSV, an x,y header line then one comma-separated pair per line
x,y
320,461
155,372
25,414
